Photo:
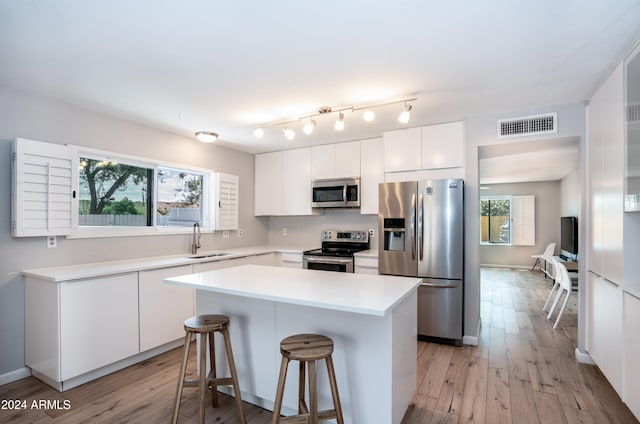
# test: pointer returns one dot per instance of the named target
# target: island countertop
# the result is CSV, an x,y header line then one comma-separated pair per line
x,y
357,293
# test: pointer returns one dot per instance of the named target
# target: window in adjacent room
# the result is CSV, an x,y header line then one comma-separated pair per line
x,y
495,218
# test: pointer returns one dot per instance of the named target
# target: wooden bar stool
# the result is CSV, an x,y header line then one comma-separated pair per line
x,y
207,326
307,349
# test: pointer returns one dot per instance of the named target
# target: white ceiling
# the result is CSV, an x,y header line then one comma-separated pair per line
x,y
185,66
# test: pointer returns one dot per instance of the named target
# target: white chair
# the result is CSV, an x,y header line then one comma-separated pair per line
x,y
562,276
547,255
556,285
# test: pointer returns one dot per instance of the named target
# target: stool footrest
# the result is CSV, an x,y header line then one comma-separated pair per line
x,y
304,418
228,381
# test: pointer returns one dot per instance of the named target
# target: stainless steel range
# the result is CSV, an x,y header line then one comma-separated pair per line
x,y
337,251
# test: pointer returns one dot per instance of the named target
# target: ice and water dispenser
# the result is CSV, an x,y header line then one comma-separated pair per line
x,y
394,234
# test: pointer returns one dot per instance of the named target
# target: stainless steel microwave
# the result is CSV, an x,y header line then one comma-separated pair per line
x,y
336,193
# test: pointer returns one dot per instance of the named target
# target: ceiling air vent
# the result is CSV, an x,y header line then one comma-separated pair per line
x,y
528,125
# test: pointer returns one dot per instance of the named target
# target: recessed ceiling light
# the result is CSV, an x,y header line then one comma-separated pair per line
x,y
206,136
258,132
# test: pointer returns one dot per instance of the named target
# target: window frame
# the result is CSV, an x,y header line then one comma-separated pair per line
x,y
208,196
497,197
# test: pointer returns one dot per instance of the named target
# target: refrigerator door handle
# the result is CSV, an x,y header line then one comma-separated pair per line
x,y
420,228
439,286
413,226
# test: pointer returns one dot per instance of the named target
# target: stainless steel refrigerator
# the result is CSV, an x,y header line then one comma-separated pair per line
x,y
421,227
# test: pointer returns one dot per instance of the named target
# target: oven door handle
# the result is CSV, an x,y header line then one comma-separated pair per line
x,y
327,260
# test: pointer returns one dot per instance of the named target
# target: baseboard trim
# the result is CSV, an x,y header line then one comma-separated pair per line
x,y
473,340
15,375
523,267
584,357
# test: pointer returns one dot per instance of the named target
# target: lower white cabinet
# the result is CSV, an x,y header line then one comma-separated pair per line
x,y
632,353
289,260
163,307
365,265
605,326
73,327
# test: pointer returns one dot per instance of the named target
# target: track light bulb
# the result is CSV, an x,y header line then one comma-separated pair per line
x,y
368,116
405,114
309,126
289,133
258,132
340,122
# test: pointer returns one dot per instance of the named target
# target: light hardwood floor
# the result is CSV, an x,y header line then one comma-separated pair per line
x,y
523,371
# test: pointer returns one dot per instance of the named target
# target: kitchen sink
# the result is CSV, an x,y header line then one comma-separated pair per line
x,y
209,255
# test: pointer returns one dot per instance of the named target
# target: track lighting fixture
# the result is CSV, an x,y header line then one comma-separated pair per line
x,y
309,123
206,136
339,126
289,133
405,114
309,126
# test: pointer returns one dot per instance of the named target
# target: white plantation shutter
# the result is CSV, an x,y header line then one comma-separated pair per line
x,y
227,196
523,220
41,189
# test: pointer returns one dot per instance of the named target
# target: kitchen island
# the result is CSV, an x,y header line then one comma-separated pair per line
x,y
372,320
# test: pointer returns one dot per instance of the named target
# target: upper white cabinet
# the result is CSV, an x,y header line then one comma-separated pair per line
x,y
371,174
430,147
41,189
335,160
296,182
268,184
443,145
226,201
402,150
283,183
605,178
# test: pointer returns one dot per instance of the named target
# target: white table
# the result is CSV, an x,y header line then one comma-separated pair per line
x,y
372,320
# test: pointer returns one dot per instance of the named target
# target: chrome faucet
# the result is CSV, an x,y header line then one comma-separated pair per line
x,y
195,245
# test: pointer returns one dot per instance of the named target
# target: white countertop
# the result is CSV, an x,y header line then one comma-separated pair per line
x,y
357,293
98,269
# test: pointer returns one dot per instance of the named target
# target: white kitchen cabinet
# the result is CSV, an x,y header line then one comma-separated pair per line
x,y
296,182
605,178
605,337
163,307
98,320
429,147
365,265
631,353
340,160
289,260
74,327
402,150
283,183
371,174
268,184
443,145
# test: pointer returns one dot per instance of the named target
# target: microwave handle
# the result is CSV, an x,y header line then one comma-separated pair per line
x,y
344,193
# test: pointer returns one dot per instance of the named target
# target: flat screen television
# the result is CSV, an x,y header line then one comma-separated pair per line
x,y
569,234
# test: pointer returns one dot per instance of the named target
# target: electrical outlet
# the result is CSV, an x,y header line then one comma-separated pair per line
x,y
371,232
239,232
51,241
225,234
284,231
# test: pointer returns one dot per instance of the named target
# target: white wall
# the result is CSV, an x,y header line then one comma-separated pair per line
x,y
547,200
481,131
28,116
570,194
